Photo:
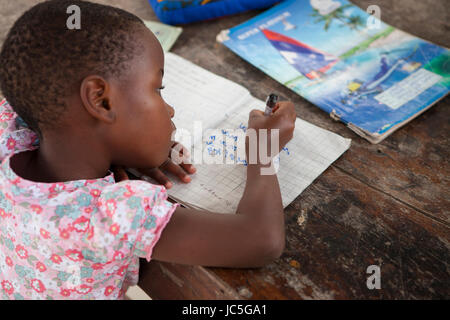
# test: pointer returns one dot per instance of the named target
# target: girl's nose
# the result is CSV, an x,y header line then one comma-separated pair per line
x,y
170,110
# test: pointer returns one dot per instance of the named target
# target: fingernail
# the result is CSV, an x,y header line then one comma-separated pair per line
x,y
193,170
168,185
187,179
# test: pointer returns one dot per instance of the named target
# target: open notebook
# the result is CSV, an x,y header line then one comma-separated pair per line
x,y
201,97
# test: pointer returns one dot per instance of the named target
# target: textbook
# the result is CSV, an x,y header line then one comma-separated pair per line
x,y
211,116
361,71
167,35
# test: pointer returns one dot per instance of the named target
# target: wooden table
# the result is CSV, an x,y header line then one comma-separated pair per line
x,y
385,204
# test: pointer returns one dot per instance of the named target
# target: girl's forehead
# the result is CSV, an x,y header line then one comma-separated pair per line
x,y
152,57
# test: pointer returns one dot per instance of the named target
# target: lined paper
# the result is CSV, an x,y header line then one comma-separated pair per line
x,y
199,95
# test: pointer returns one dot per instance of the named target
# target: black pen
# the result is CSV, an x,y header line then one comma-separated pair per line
x,y
271,101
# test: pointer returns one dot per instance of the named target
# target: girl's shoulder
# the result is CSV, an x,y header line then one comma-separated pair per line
x,y
140,197
14,133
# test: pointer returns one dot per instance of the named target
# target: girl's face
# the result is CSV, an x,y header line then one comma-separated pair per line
x,y
142,137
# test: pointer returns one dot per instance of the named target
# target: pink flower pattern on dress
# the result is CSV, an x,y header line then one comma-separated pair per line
x,y
73,240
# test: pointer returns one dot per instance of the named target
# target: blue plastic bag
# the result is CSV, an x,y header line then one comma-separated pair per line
x,y
186,11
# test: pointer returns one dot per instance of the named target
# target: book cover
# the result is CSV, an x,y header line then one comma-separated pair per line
x,y
167,35
370,75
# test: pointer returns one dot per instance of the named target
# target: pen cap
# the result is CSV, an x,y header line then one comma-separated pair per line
x,y
271,100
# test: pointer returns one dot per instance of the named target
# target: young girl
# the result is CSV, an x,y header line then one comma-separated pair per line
x,y
69,227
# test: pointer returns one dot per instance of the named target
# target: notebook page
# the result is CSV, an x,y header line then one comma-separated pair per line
x,y
219,187
199,95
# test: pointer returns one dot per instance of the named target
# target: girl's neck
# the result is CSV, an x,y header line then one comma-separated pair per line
x,y
62,160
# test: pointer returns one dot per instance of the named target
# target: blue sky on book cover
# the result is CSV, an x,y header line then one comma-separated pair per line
x,y
345,61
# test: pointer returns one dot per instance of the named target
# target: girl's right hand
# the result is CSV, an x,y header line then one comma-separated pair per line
x,y
282,118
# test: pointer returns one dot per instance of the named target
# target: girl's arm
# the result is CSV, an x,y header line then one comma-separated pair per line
x,y
253,236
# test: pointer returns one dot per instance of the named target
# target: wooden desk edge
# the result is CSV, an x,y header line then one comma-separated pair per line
x,y
163,280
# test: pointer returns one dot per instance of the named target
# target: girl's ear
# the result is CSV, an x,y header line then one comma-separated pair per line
x,y
95,95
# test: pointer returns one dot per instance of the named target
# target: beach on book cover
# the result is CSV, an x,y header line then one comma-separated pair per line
x,y
347,62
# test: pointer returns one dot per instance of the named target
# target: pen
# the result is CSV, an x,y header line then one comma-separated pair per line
x,y
271,101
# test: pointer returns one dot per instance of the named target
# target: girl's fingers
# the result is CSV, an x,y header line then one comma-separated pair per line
x,y
119,173
189,168
182,170
158,175
177,170
277,106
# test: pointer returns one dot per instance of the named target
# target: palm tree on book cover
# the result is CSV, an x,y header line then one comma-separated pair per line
x,y
309,61
354,22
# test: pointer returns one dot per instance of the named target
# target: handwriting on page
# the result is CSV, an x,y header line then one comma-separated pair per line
x,y
226,144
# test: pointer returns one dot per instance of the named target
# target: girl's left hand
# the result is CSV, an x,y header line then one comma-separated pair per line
x,y
182,170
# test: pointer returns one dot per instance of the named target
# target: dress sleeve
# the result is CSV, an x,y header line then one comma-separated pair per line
x,y
14,133
136,213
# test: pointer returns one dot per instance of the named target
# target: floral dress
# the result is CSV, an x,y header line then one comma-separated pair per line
x,y
72,240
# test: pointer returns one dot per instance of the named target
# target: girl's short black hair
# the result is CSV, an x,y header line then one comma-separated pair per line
x,y
42,61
